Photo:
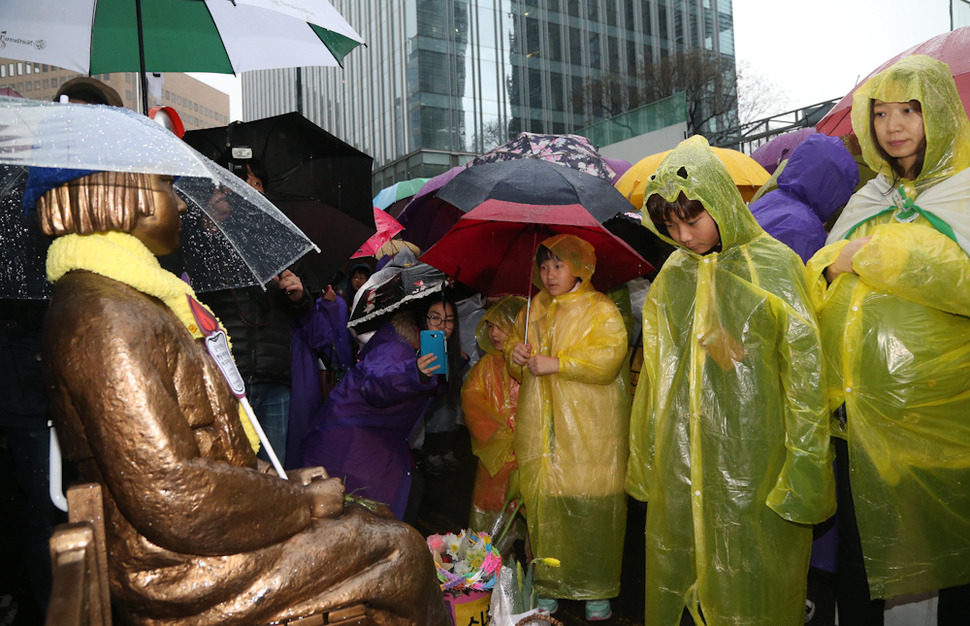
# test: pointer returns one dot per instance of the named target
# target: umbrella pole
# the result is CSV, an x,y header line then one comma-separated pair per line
x,y
263,439
528,290
143,80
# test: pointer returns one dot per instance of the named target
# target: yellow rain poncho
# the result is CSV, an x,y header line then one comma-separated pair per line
x,y
571,432
896,336
729,437
488,399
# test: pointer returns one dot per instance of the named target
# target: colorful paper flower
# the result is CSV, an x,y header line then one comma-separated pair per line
x,y
467,561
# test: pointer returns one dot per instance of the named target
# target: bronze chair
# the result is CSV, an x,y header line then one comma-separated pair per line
x,y
80,594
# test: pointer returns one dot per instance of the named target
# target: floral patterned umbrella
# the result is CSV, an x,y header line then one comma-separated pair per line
x,y
572,151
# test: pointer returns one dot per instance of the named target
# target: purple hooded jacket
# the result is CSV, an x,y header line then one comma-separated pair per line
x,y
817,181
321,332
361,432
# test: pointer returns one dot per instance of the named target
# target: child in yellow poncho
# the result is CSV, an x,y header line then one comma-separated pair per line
x,y
571,427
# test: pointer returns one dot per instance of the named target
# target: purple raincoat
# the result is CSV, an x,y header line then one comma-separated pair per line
x,y
818,180
320,333
361,432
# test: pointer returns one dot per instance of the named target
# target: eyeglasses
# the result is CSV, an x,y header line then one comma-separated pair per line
x,y
437,320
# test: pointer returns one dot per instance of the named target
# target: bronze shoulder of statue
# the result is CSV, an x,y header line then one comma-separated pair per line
x,y
196,532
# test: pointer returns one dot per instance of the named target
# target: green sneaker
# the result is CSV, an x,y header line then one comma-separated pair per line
x,y
548,605
598,610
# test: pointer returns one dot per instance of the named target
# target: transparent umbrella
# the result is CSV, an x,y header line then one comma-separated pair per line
x,y
231,235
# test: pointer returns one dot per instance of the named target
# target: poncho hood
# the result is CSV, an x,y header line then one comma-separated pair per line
x,y
822,173
694,169
502,314
578,254
922,78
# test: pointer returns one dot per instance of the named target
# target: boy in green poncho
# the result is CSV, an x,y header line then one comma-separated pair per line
x,y
730,430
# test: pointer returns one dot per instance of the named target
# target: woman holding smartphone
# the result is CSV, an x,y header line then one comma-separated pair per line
x,y
361,433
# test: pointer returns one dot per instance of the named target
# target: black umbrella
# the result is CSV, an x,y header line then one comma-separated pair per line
x,y
533,181
317,180
524,181
627,227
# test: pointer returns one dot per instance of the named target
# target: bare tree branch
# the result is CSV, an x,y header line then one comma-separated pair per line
x,y
758,96
706,78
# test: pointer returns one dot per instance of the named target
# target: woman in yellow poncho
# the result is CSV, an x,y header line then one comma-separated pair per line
x,y
571,427
729,437
488,399
893,296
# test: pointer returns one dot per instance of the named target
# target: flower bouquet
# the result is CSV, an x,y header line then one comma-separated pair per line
x,y
467,565
465,562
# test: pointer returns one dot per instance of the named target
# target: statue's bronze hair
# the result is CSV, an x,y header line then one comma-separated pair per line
x,y
96,203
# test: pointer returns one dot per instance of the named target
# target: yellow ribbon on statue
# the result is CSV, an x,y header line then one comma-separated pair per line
x,y
122,257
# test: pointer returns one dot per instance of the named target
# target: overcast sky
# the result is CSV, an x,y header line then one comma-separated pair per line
x,y
814,50
818,50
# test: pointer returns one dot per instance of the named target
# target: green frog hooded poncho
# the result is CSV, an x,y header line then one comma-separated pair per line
x,y
729,438
896,338
571,432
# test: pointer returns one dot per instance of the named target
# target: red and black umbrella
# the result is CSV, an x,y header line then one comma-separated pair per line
x,y
492,247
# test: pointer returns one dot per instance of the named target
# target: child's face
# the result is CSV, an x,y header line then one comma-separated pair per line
x,y
556,277
699,233
496,335
357,279
899,130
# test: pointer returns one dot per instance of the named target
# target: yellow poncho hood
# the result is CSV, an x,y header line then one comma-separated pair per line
x,y
945,124
694,169
939,193
502,314
577,253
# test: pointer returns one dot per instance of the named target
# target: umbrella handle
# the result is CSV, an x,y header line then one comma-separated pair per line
x,y
528,290
263,439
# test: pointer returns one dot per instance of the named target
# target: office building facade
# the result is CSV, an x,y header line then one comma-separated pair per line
x,y
198,104
443,80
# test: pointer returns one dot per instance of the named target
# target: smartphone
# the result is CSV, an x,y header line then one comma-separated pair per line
x,y
433,342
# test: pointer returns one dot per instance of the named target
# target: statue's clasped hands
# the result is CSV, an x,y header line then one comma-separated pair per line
x,y
326,494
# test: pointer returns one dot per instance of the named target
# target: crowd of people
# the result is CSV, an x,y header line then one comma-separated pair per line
x,y
801,401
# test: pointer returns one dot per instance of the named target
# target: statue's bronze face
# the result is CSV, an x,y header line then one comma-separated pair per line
x,y
160,231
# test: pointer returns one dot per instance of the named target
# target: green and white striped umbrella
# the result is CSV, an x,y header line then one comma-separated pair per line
x,y
220,36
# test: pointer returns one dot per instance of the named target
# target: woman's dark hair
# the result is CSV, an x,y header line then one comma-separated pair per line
x,y
453,346
898,171
683,207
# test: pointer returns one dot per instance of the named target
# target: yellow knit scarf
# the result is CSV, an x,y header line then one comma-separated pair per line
x,y
121,257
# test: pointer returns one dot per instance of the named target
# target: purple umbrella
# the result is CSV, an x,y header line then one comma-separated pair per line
x,y
426,218
770,154
619,166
